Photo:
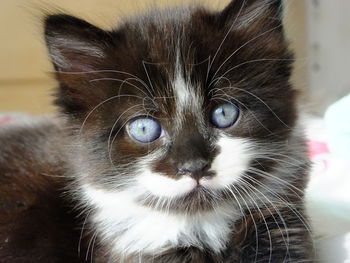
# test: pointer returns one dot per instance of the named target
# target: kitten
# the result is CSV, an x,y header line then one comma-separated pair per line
x,y
179,144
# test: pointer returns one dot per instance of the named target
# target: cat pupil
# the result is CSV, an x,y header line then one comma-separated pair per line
x,y
224,115
223,112
143,128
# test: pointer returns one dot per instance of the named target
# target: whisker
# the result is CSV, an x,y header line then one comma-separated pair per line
x,y
266,157
242,46
236,188
148,77
286,239
115,136
262,217
82,232
242,104
89,245
285,203
225,37
116,122
122,83
98,71
240,208
247,62
302,219
267,152
100,104
269,175
262,101
92,249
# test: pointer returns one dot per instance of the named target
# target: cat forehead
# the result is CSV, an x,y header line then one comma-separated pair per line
x,y
172,66
179,98
161,34
162,17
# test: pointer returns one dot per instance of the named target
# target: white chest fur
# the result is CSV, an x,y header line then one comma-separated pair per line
x,y
136,229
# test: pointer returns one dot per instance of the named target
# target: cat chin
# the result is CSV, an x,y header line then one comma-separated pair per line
x,y
120,220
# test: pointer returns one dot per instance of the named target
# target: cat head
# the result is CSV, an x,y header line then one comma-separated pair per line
x,y
177,106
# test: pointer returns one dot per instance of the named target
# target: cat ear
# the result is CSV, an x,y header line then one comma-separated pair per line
x,y
73,44
245,14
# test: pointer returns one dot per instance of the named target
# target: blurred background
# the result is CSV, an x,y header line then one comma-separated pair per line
x,y
319,33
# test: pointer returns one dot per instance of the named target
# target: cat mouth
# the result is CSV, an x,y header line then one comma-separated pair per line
x,y
201,184
184,194
197,188
201,196
199,192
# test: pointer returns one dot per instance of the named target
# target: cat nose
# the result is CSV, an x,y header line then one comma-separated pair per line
x,y
194,168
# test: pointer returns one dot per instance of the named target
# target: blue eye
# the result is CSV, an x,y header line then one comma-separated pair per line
x,y
224,115
144,130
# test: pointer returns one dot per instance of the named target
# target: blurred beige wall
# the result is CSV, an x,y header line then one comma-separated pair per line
x,y
25,83
328,24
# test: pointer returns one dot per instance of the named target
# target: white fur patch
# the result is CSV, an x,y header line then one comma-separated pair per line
x,y
163,186
132,228
183,96
230,163
186,99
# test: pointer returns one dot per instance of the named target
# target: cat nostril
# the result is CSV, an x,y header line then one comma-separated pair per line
x,y
193,167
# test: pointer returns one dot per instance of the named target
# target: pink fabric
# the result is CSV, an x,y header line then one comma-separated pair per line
x,y
317,148
5,120
319,153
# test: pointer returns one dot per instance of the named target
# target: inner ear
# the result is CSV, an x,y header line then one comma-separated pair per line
x,y
74,44
244,14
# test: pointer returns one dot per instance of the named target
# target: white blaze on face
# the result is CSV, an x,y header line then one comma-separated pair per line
x,y
185,96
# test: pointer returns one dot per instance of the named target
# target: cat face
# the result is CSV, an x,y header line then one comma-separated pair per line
x,y
176,108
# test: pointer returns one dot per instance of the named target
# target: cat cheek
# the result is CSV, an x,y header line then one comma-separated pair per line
x,y
163,186
230,164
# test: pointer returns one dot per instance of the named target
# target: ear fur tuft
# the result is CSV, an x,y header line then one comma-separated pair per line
x,y
74,44
241,14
